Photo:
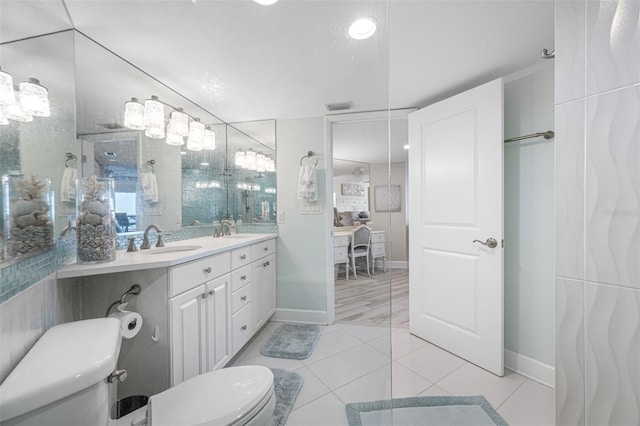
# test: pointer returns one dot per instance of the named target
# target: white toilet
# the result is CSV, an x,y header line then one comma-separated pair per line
x,y
63,380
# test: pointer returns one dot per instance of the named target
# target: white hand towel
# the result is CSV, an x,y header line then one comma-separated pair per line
x,y
149,187
68,185
307,183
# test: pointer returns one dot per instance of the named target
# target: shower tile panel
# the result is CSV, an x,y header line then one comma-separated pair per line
x,y
612,355
570,50
613,44
613,188
569,146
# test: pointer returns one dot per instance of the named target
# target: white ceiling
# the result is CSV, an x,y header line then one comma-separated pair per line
x,y
242,61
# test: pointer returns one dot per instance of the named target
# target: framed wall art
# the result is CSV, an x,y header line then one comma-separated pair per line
x,y
353,189
387,198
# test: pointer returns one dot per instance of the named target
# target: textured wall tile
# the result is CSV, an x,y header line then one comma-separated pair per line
x,y
613,188
613,355
613,44
570,408
570,50
569,146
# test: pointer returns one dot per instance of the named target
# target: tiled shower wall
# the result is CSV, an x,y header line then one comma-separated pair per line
x,y
597,212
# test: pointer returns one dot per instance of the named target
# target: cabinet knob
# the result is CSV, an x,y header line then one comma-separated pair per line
x,y
243,257
243,328
268,263
264,265
266,249
244,277
208,270
212,292
205,295
243,298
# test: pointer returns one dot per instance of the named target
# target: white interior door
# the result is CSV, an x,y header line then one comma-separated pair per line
x,y
456,176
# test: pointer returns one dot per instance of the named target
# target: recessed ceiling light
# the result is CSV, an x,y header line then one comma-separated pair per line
x,y
266,2
362,28
406,146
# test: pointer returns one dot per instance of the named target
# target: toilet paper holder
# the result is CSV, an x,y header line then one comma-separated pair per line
x,y
134,290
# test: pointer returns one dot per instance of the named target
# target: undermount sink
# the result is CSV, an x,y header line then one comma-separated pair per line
x,y
236,236
172,249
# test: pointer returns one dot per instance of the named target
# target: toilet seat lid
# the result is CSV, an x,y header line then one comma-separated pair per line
x,y
218,397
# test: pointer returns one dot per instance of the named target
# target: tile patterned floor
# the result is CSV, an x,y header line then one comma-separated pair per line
x,y
353,363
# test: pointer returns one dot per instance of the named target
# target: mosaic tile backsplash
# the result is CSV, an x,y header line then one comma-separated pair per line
x,y
19,276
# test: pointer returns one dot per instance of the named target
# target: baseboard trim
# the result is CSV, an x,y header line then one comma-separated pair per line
x,y
392,264
301,316
530,368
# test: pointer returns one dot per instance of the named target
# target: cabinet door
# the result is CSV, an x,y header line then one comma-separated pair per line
x,y
270,285
188,351
259,301
218,335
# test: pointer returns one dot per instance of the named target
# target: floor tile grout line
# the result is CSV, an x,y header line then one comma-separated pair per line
x,y
512,393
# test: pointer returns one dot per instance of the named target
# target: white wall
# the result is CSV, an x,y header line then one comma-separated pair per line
x,y
304,267
394,223
529,215
597,212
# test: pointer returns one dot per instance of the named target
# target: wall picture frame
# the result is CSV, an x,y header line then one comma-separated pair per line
x,y
387,198
352,189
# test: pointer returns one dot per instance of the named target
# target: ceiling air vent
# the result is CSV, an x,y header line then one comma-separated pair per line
x,y
339,106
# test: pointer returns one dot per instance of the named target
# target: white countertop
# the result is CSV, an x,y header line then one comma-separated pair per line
x,y
146,259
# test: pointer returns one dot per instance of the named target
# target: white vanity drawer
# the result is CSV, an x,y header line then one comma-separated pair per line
x,y
240,257
263,249
377,249
241,298
377,237
241,327
192,274
340,254
342,240
241,277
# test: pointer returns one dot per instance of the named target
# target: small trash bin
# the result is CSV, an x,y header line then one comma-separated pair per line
x,y
127,405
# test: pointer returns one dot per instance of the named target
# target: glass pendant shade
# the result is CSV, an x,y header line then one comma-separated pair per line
x,y
3,118
271,165
180,123
173,138
154,118
134,115
16,113
209,143
7,95
261,163
195,140
251,160
34,98
240,159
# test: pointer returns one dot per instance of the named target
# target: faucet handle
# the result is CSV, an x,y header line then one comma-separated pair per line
x,y
132,244
160,243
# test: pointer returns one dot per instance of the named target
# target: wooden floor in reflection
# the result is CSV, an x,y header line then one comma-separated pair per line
x,y
381,300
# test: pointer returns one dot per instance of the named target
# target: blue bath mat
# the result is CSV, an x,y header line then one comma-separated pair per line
x,y
425,411
292,341
287,385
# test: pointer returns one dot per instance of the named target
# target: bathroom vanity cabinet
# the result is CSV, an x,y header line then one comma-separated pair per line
x,y
199,307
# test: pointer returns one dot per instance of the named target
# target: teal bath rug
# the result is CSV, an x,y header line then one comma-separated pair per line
x,y
287,385
292,341
425,411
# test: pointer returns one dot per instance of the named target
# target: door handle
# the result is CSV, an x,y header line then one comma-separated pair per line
x,y
491,242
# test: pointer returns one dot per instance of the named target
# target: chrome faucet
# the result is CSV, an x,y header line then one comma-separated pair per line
x,y
221,231
145,240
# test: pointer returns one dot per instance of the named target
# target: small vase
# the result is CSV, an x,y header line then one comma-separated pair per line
x,y
96,226
29,217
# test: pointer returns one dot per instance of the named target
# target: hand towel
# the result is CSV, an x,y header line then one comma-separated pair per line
x,y
149,187
68,185
307,183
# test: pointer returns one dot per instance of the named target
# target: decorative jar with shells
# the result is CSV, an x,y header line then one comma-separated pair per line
x,y
96,226
28,218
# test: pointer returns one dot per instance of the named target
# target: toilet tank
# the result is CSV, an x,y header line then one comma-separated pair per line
x,y
65,374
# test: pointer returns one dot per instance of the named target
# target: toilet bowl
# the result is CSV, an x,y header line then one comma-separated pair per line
x,y
65,379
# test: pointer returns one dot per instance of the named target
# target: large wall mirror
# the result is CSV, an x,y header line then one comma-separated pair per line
x,y
86,135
